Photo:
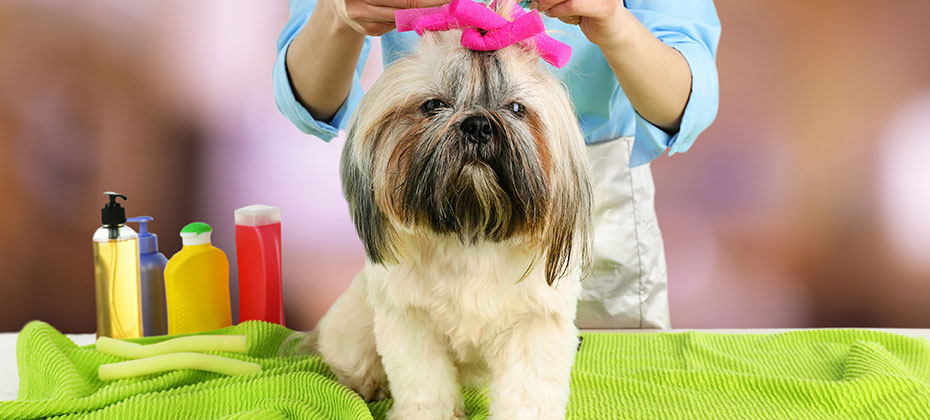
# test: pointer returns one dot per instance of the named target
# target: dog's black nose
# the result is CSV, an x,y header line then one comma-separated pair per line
x,y
477,129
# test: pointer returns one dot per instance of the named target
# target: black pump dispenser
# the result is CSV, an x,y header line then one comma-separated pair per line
x,y
113,215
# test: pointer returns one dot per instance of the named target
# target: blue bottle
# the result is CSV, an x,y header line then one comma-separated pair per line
x,y
152,278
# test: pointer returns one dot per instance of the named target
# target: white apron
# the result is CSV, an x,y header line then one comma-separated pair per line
x,y
627,285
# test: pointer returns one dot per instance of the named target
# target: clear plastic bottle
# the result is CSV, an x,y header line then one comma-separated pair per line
x,y
116,267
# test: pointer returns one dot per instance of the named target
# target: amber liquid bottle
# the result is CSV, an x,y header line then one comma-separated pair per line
x,y
116,268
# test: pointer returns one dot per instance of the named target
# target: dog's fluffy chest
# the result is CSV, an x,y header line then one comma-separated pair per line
x,y
469,293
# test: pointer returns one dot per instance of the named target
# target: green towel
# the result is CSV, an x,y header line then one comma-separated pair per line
x,y
805,375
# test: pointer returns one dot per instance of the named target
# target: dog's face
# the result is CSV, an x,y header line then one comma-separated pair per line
x,y
483,146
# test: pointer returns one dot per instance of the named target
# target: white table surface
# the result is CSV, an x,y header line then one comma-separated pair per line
x,y
9,379
9,376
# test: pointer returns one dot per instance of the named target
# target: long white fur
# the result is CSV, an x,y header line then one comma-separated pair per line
x,y
455,315
449,314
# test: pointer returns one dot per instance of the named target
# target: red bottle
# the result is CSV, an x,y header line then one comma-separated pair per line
x,y
258,255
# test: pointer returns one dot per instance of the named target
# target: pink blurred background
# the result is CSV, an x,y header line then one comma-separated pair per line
x,y
806,204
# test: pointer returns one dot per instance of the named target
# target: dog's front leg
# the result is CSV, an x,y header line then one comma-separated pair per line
x,y
419,368
531,367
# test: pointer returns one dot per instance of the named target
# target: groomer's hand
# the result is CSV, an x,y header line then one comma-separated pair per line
x,y
655,77
375,17
602,21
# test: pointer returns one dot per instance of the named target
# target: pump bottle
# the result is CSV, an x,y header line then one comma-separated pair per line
x,y
116,268
152,280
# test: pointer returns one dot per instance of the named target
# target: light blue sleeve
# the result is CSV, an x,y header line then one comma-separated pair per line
x,y
283,91
693,28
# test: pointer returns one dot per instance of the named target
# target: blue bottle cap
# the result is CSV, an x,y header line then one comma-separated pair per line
x,y
148,242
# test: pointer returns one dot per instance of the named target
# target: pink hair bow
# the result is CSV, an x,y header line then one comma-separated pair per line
x,y
485,30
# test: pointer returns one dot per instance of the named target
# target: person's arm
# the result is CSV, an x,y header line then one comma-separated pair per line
x,y
655,77
322,59
285,92
662,53
321,62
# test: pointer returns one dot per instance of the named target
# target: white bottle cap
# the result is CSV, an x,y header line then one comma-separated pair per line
x,y
258,215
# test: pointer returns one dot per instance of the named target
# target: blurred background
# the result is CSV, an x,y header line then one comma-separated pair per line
x,y
806,204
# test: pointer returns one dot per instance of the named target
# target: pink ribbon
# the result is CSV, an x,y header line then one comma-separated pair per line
x,y
485,30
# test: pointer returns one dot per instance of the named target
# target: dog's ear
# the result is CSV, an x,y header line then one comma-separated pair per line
x,y
357,186
567,237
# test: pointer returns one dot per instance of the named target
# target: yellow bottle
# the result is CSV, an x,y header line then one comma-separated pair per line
x,y
197,284
116,274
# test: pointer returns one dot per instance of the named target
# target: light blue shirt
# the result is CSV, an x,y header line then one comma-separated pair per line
x,y
604,112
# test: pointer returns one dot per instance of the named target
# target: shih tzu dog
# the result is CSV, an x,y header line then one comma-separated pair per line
x,y
467,180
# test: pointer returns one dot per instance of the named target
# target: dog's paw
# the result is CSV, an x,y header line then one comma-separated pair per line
x,y
425,412
374,390
370,388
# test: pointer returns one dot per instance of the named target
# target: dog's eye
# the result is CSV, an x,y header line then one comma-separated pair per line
x,y
517,109
432,107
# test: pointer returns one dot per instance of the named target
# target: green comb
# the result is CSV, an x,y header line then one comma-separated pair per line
x,y
175,361
194,343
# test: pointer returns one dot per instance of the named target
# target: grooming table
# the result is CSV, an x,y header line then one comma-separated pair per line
x,y
9,380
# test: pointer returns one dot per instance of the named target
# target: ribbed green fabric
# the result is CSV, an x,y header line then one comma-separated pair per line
x,y
804,375
59,378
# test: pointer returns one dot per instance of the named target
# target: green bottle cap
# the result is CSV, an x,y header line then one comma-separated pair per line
x,y
197,227
197,233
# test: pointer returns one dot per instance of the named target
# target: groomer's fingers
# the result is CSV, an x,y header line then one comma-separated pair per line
x,y
376,29
591,8
408,4
543,5
364,12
